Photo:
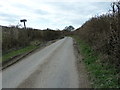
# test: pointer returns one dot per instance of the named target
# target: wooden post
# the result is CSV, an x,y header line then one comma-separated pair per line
x,y
24,20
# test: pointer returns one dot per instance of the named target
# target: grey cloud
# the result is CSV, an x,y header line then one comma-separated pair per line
x,y
28,8
41,12
81,7
9,17
22,6
0,5
77,21
75,13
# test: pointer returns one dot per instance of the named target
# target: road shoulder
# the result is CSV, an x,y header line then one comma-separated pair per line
x,y
84,81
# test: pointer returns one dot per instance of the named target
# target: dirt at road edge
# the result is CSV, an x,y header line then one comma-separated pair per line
x,y
84,81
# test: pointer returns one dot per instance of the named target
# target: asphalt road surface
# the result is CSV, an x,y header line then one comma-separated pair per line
x,y
52,67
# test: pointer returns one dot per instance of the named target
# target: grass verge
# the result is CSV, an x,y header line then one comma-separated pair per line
x,y
101,75
17,52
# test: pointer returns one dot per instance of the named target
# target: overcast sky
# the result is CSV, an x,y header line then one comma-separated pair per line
x,y
54,14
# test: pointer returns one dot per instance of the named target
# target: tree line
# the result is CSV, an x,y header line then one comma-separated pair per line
x,y
102,33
